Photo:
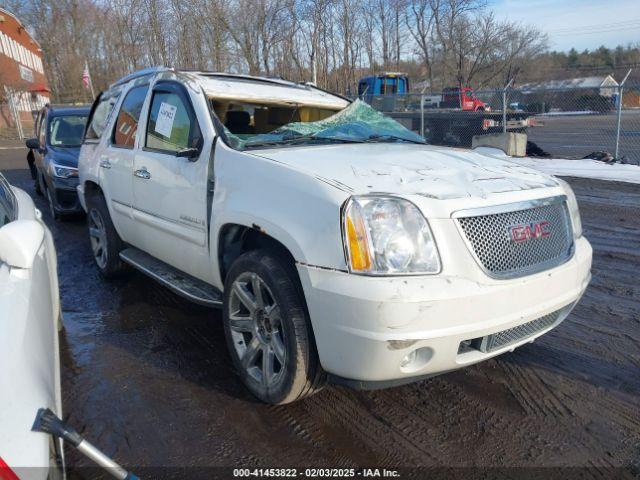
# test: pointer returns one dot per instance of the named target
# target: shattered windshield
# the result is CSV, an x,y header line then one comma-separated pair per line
x,y
357,123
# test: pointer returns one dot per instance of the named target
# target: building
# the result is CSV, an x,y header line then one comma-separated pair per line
x,y
23,86
631,98
605,86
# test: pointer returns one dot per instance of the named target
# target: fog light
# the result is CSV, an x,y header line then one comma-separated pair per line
x,y
416,359
409,359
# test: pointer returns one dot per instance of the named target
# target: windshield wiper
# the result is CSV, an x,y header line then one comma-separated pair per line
x,y
300,139
382,138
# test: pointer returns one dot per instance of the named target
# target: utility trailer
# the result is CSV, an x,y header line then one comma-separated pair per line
x,y
457,128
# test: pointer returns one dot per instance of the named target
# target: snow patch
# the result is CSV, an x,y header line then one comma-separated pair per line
x,y
572,168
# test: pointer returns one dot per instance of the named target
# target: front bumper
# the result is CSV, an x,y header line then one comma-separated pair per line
x,y
365,327
65,195
81,199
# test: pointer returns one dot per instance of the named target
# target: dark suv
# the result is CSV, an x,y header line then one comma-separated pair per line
x,y
53,156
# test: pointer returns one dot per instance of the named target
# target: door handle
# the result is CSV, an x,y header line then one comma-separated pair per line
x,y
142,173
105,163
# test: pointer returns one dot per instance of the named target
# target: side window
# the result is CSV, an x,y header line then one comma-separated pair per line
x,y
42,126
7,203
36,125
172,124
124,131
99,118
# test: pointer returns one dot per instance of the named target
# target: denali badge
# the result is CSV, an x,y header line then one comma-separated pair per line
x,y
525,232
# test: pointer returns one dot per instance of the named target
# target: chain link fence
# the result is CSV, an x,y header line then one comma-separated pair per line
x,y
559,122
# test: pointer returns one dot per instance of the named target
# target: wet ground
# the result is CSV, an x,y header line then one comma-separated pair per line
x,y
147,378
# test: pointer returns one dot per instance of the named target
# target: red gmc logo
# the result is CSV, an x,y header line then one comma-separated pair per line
x,y
525,232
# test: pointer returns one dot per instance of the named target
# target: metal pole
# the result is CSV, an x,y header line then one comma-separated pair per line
x,y
620,93
504,106
14,112
422,109
93,95
422,115
101,459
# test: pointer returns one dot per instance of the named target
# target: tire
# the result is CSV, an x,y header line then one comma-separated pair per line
x,y
270,341
106,244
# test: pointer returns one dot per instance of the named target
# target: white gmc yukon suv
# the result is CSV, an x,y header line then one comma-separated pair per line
x,y
339,245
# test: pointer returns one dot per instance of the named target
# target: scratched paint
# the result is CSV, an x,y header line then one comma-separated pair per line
x,y
434,172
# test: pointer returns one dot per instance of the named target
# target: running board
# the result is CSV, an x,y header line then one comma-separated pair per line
x,y
179,282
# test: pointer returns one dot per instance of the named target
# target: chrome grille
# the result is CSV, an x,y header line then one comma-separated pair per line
x,y
489,236
498,340
515,334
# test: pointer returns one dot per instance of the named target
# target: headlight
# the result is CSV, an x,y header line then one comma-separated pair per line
x,y
574,212
63,172
387,236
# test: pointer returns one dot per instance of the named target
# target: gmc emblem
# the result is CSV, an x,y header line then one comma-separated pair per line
x,y
526,232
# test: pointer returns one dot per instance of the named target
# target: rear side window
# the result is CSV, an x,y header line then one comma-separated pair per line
x,y
172,125
41,127
36,127
124,131
99,118
8,203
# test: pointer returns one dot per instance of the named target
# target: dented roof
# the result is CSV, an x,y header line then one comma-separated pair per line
x,y
246,88
267,90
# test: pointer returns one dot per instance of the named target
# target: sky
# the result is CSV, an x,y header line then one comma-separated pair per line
x,y
582,24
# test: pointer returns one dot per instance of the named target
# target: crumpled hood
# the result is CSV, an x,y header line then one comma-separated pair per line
x,y
64,156
407,169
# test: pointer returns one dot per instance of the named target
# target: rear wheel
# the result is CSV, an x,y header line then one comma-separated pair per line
x,y
105,241
268,330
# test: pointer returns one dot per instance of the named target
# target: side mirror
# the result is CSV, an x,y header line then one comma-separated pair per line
x,y
20,241
190,153
33,143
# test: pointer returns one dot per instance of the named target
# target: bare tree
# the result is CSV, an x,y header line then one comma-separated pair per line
x,y
330,42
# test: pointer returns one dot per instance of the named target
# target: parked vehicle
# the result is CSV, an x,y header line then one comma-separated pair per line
x,y
387,83
452,118
29,323
462,98
339,245
53,152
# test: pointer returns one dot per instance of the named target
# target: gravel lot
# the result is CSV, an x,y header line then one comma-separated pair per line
x,y
147,378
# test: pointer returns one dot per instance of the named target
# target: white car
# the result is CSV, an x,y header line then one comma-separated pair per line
x,y
339,245
29,323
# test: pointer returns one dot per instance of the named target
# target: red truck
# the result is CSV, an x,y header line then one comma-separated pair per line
x,y
462,98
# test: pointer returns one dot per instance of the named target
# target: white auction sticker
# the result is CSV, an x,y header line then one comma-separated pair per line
x,y
166,116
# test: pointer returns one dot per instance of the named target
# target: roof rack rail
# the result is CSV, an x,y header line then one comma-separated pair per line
x,y
140,73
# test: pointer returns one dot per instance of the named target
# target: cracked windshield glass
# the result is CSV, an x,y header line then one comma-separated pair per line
x,y
249,126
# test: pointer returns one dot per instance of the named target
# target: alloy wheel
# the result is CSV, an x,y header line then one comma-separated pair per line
x,y
98,237
257,331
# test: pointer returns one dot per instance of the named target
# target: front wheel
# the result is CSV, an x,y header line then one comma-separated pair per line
x,y
268,330
105,241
